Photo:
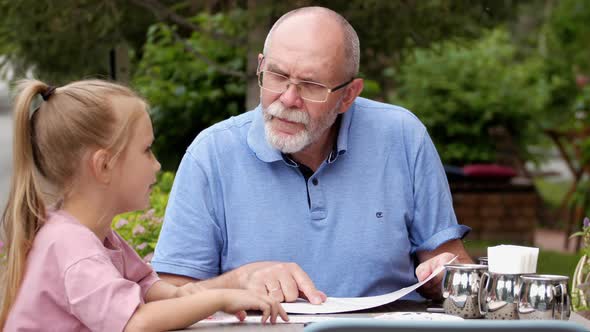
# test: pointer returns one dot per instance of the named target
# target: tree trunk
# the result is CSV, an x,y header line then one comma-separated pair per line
x,y
258,28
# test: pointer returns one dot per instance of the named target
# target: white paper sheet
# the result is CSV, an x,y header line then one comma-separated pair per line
x,y
522,259
345,304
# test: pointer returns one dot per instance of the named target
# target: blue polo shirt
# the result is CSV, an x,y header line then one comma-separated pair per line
x,y
373,204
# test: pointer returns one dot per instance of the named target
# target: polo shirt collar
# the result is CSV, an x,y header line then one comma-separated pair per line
x,y
264,151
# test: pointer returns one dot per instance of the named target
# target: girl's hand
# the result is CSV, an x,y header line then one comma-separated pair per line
x,y
235,301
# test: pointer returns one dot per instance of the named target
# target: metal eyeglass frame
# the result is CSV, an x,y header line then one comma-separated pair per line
x,y
330,90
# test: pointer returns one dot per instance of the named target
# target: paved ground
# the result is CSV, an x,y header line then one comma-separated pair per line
x,y
553,240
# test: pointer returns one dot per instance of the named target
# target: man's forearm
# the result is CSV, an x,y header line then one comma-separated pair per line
x,y
454,246
236,278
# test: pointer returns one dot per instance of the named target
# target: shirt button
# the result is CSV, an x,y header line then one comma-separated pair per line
x,y
314,181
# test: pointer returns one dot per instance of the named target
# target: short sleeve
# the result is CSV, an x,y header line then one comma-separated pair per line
x,y
434,218
190,242
99,296
135,268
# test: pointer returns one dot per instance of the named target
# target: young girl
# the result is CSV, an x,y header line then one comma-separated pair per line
x,y
80,158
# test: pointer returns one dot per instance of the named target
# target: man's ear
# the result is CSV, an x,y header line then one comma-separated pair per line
x,y
259,66
352,91
101,165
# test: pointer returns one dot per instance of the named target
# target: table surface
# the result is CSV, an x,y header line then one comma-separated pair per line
x,y
392,307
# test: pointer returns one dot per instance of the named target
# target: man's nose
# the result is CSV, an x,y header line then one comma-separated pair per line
x,y
291,97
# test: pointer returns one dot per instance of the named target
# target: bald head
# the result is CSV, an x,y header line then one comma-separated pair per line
x,y
324,24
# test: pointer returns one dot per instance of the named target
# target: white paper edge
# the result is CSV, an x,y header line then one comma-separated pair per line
x,y
345,304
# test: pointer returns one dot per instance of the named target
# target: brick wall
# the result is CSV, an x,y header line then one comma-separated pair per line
x,y
497,211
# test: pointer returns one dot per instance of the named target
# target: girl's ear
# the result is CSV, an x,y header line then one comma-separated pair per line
x,y
100,166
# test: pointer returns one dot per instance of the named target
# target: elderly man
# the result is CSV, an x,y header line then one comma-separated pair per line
x,y
317,191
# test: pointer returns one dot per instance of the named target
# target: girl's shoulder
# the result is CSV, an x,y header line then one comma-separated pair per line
x,y
65,241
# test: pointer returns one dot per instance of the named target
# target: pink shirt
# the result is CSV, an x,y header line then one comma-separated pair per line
x,y
73,282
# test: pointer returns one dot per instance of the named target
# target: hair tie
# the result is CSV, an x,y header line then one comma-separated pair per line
x,y
50,90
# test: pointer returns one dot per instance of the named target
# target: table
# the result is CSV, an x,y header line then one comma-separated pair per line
x,y
392,307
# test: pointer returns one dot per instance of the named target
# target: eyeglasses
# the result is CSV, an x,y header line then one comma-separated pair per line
x,y
310,91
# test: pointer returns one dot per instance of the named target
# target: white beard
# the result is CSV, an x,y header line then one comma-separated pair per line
x,y
299,141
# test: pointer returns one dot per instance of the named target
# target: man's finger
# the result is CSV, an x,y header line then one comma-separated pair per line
x,y
273,288
307,287
259,288
290,287
424,270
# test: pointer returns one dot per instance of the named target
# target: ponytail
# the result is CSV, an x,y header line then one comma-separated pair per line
x,y
49,144
25,211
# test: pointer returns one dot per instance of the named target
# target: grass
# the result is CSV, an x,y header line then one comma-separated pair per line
x,y
552,192
549,262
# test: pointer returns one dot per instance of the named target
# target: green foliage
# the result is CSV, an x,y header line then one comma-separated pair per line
x,y
461,91
566,36
371,89
67,40
552,262
581,198
186,93
389,31
581,277
552,192
569,33
141,228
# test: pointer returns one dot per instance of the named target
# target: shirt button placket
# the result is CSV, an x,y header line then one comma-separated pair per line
x,y
318,209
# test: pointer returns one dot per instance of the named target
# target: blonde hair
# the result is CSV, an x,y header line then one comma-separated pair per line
x,y
47,150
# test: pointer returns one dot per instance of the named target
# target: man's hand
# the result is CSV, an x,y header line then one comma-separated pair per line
x,y
284,282
432,289
431,260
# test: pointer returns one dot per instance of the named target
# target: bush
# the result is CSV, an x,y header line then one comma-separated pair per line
x,y
460,91
141,228
187,94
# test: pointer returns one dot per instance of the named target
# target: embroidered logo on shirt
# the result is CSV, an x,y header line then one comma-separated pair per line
x,y
379,214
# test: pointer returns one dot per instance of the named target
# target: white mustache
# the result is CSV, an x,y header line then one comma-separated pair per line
x,y
278,110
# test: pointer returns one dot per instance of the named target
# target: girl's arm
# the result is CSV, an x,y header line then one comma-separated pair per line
x,y
163,290
178,313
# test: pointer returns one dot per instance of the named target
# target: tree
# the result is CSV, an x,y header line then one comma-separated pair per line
x,y
66,40
188,95
62,41
463,91
389,31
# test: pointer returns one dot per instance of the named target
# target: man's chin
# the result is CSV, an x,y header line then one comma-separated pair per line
x,y
285,146
284,141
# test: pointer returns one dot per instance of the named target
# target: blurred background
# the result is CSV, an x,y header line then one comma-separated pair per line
x,y
502,86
